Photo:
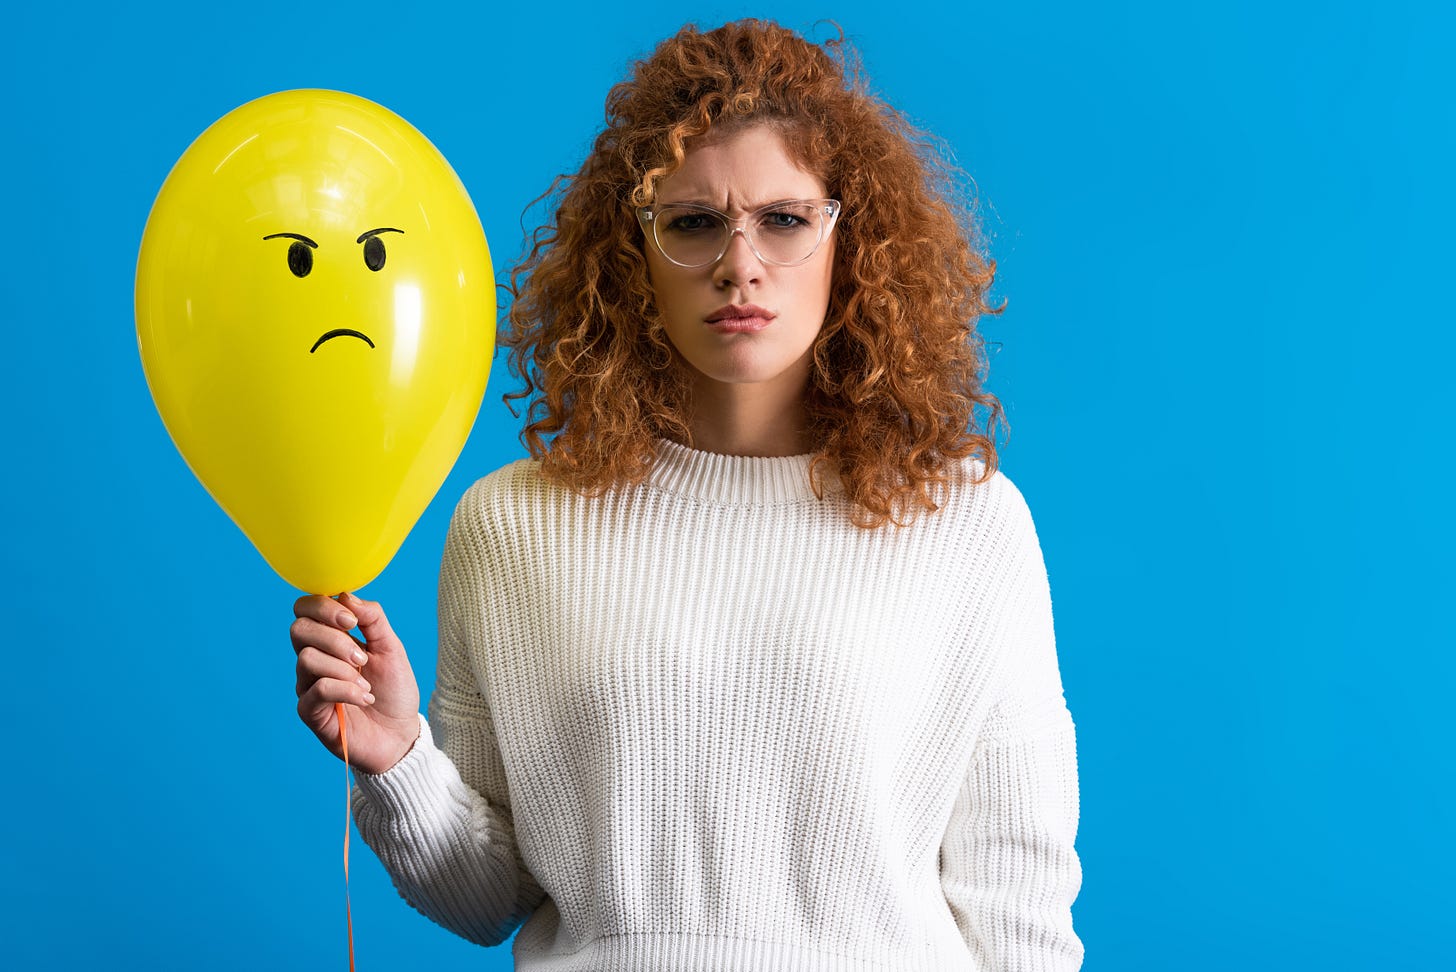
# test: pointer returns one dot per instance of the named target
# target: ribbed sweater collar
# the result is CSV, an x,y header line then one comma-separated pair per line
x,y
732,480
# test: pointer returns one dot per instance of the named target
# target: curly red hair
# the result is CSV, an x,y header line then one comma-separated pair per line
x,y
898,367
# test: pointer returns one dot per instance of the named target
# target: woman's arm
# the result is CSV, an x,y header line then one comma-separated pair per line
x,y
450,850
1008,866
440,820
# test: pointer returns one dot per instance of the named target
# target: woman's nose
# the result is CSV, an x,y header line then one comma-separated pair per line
x,y
738,265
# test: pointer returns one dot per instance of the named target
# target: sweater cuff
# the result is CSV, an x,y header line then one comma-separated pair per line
x,y
420,779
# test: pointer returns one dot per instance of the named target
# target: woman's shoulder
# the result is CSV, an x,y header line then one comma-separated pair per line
x,y
520,473
499,491
987,504
968,478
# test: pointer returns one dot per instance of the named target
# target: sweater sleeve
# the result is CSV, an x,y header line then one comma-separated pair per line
x,y
1008,866
440,820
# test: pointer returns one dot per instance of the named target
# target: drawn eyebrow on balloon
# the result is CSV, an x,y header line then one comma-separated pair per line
x,y
375,232
292,236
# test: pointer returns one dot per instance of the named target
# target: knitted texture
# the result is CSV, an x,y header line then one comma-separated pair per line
x,y
706,723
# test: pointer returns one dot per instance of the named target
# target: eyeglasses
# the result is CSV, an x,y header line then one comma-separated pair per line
x,y
784,233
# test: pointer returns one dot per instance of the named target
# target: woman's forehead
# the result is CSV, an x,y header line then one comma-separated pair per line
x,y
742,170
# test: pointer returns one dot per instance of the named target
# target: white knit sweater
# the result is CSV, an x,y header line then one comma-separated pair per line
x,y
708,724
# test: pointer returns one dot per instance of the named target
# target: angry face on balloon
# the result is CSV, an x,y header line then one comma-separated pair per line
x,y
300,263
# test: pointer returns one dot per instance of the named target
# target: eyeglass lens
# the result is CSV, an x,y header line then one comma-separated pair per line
x,y
787,233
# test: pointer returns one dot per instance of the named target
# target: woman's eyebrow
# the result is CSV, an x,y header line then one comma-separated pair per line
x,y
691,201
774,201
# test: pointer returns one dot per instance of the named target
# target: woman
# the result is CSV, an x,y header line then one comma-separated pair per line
x,y
751,666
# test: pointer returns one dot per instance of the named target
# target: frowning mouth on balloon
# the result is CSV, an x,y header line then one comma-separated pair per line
x,y
340,332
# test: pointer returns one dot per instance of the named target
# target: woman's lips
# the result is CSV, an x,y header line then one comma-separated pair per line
x,y
739,319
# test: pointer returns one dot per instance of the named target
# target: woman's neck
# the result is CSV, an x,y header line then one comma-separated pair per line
x,y
744,420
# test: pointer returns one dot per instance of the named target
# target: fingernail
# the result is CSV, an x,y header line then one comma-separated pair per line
x,y
348,621
360,659
368,699
362,684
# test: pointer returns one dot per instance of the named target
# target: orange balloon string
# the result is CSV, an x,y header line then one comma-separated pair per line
x,y
348,909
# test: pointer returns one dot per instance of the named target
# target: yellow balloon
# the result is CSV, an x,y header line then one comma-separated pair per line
x,y
315,309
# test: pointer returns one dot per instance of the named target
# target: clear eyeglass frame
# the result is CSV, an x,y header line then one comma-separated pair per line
x,y
828,209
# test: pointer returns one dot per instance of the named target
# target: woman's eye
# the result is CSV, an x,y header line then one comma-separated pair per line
x,y
690,223
374,253
300,259
783,220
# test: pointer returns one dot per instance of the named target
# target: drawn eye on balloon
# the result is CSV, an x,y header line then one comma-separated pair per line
x,y
300,254
374,247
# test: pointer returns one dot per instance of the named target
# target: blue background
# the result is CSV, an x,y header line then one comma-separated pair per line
x,y
1224,235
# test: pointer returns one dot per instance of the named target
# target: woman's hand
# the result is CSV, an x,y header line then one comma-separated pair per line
x,y
372,678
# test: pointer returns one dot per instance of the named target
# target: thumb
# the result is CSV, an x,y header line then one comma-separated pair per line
x,y
379,637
